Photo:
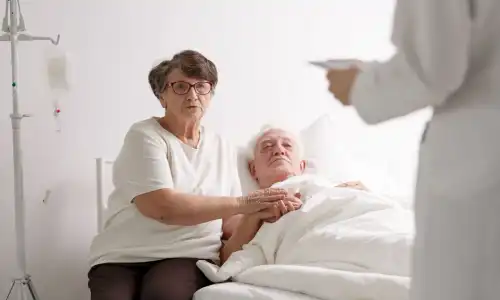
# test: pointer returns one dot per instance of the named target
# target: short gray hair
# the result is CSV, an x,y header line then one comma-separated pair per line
x,y
192,63
263,131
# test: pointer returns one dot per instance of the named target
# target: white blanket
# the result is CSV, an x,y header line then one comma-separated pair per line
x,y
342,244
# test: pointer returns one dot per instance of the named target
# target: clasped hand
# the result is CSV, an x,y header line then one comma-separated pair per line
x,y
269,204
291,203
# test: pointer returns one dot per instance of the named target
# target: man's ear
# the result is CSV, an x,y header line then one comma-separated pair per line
x,y
303,164
251,169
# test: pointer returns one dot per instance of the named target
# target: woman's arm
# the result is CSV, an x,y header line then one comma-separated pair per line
x,y
142,174
175,208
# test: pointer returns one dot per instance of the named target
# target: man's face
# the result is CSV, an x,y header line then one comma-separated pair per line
x,y
277,156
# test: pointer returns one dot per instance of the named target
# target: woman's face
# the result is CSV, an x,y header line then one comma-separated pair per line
x,y
186,98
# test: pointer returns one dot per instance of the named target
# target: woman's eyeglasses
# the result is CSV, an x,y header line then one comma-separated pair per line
x,y
182,87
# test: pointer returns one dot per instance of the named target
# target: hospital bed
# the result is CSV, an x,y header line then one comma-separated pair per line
x,y
241,291
221,291
104,186
384,231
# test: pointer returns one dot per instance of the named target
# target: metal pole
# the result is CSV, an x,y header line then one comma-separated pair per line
x,y
16,119
11,28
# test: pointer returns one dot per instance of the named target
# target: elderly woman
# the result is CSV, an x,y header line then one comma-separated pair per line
x,y
176,191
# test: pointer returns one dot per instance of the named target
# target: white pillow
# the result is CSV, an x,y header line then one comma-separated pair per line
x,y
248,184
384,157
324,150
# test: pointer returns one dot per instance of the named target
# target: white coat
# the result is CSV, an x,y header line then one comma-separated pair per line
x,y
448,57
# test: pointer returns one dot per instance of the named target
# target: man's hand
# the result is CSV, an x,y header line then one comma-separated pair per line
x,y
249,224
281,208
354,185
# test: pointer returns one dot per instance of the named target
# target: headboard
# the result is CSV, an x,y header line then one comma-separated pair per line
x,y
104,186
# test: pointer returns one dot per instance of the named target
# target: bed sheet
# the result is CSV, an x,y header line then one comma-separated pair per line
x,y
241,291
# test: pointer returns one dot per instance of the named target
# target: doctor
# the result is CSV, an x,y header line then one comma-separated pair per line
x,y
448,57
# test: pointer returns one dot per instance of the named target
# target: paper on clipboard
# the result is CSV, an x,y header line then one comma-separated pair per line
x,y
337,64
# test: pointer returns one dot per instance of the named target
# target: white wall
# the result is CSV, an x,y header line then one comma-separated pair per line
x,y
260,47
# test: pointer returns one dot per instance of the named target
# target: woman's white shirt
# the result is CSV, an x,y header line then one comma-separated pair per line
x,y
152,158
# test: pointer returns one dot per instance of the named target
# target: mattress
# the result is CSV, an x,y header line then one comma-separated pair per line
x,y
240,291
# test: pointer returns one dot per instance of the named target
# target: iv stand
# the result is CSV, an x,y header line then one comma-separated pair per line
x,y
14,32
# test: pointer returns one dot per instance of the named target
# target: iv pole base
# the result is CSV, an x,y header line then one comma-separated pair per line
x,y
24,287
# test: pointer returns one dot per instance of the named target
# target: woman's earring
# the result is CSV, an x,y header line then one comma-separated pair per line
x,y
163,102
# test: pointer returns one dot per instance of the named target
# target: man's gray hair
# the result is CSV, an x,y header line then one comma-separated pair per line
x,y
252,144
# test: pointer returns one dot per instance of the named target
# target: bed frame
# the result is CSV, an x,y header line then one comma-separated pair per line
x,y
102,165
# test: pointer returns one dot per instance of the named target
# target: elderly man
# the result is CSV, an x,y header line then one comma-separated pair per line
x,y
275,155
348,242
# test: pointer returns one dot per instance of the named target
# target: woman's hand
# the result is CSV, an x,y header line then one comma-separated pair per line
x,y
281,208
260,200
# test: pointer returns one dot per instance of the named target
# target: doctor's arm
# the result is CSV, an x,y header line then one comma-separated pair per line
x,y
432,39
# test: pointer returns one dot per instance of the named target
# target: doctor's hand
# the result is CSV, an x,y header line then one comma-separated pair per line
x,y
291,203
260,200
341,82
